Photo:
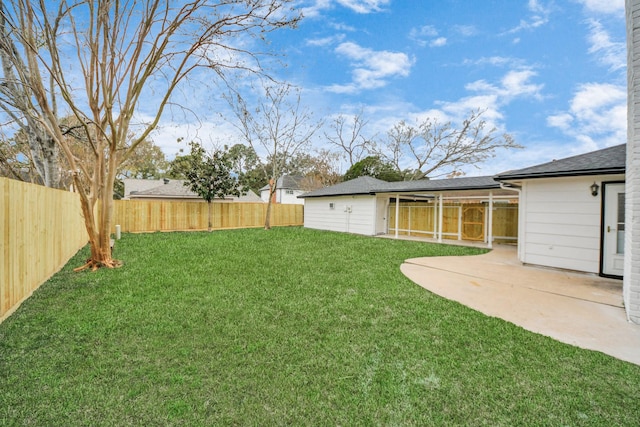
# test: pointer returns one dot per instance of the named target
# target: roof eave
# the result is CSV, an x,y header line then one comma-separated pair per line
x,y
305,196
436,190
562,174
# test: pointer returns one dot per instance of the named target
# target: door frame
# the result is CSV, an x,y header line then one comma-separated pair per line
x,y
603,195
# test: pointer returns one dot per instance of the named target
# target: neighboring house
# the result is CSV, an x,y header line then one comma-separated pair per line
x,y
366,205
172,190
288,188
572,212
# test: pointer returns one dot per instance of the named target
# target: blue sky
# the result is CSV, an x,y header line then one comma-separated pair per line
x,y
550,73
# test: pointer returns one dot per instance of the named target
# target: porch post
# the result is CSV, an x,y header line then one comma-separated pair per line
x,y
397,212
490,220
440,217
435,219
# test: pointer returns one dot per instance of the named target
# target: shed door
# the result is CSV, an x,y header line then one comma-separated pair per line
x,y
613,230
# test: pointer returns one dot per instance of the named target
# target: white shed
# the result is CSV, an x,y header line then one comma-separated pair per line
x,y
348,207
425,208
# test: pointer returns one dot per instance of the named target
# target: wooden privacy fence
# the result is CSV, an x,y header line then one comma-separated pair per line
x,y
152,215
40,229
460,221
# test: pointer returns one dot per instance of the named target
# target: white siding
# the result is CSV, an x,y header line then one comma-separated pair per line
x,y
561,227
290,199
361,219
264,195
631,286
283,197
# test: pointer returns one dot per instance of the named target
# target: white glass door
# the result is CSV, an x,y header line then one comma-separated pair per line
x,y
613,232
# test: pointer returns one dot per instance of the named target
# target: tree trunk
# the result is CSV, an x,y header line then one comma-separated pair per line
x,y
210,225
99,226
267,218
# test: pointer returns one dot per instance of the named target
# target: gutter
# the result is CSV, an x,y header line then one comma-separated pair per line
x,y
560,174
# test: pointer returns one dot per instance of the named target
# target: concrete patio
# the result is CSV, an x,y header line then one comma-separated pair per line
x,y
578,309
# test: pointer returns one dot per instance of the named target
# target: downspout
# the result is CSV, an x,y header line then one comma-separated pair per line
x,y
490,222
440,219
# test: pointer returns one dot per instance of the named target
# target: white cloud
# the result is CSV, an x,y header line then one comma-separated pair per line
x,y
425,31
597,116
609,53
539,16
496,61
340,26
427,35
326,41
465,30
317,7
440,41
603,6
514,84
364,6
358,6
371,68
492,97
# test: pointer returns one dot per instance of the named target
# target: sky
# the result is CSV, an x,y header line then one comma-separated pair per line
x,y
552,74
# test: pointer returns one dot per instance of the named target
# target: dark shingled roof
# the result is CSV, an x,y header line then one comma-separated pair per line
x,y
177,190
607,161
360,185
453,184
287,182
369,185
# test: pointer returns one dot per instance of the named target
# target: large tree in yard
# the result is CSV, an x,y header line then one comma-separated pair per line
x,y
211,176
112,61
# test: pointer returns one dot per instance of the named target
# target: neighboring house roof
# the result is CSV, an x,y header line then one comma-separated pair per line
x,y
287,182
175,189
136,184
610,160
369,185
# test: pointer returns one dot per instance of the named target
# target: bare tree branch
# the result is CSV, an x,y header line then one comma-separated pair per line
x,y
433,149
348,138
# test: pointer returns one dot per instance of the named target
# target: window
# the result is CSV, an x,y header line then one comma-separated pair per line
x,y
332,206
620,236
288,192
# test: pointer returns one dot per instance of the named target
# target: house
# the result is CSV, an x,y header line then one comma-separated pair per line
x,y
459,208
172,190
572,212
631,282
288,188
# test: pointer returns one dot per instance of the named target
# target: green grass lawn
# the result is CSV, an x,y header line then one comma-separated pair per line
x,y
286,327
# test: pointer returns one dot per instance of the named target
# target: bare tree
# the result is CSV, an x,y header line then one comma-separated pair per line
x,y
16,101
347,136
433,149
107,58
278,127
